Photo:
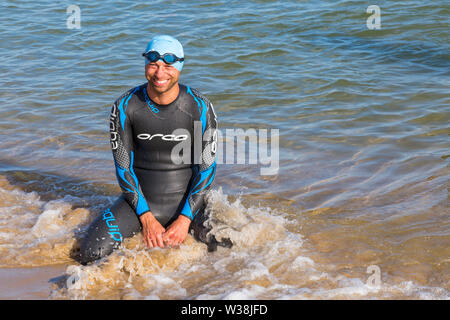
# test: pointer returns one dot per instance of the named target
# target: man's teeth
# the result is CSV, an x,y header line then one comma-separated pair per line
x,y
161,82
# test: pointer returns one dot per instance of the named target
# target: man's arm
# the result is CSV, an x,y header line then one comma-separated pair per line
x,y
204,174
205,171
123,152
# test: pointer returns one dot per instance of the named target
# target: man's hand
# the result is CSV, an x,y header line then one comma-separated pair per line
x,y
177,231
152,230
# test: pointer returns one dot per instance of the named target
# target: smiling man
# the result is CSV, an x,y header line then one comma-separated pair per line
x,y
162,198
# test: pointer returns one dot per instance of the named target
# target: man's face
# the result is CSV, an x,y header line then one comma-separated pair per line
x,y
161,76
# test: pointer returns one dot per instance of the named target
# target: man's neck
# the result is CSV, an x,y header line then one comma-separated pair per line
x,y
165,97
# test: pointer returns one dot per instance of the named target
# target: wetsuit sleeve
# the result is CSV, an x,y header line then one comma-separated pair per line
x,y
123,152
205,171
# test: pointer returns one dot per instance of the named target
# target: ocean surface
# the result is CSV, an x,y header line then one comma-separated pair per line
x,y
359,205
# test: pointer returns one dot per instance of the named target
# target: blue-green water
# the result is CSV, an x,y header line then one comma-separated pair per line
x,y
363,120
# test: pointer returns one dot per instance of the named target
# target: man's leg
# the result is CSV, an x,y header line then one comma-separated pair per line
x,y
108,231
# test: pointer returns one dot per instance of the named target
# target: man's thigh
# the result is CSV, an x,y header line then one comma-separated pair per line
x,y
108,231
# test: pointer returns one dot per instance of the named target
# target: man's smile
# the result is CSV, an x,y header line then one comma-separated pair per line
x,y
160,82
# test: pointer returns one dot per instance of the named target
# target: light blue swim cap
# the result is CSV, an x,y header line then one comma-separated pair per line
x,y
166,44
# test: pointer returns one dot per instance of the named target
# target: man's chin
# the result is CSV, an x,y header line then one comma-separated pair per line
x,y
161,89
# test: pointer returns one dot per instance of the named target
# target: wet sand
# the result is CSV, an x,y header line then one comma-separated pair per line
x,y
29,283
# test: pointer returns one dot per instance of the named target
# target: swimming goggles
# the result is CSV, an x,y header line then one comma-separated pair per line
x,y
168,58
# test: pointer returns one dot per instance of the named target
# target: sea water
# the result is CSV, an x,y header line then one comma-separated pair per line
x,y
357,207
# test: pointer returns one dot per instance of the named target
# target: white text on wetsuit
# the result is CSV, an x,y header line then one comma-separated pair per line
x,y
112,127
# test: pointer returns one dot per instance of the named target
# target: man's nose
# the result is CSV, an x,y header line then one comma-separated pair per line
x,y
160,68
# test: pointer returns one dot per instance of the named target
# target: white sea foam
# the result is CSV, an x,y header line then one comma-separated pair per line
x,y
266,262
34,232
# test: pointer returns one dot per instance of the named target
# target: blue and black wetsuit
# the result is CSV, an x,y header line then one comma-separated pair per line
x,y
165,163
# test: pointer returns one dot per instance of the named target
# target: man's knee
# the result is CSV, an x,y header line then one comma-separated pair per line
x,y
102,237
90,253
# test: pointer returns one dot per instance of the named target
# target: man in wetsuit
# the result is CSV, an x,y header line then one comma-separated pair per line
x,y
163,192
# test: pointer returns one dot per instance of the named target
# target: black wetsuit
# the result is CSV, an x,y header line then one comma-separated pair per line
x,y
165,163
